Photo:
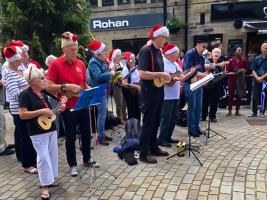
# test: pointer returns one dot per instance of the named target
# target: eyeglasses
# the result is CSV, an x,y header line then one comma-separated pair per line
x,y
163,36
204,46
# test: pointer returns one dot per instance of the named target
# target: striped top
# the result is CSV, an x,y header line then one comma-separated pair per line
x,y
14,84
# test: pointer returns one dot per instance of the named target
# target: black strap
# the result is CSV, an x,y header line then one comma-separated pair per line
x,y
50,95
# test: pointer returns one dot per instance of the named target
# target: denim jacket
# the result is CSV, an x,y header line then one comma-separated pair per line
x,y
97,71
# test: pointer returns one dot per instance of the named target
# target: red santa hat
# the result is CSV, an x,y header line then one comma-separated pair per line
x,y
128,56
35,64
19,44
96,47
170,48
68,38
11,54
157,30
113,53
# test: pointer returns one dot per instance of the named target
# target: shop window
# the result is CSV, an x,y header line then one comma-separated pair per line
x,y
107,2
139,1
122,2
156,1
93,3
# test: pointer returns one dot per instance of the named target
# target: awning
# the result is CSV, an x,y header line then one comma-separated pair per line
x,y
260,26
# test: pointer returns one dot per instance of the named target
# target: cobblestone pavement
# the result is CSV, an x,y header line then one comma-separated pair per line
x,y
234,168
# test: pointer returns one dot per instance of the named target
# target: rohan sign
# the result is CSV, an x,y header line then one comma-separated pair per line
x,y
125,22
109,24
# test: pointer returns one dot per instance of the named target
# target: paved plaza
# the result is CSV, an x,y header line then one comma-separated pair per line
x,y
234,168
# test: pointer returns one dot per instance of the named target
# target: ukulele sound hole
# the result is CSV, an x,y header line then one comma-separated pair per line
x,y
49,117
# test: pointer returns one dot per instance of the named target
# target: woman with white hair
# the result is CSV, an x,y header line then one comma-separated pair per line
x,y
15,84
212,92
33,104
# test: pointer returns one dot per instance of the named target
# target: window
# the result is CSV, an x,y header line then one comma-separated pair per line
x,y
156,1
121,2
93,3
139,1
107,2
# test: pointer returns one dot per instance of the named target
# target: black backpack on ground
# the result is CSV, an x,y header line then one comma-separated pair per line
x,y
131,141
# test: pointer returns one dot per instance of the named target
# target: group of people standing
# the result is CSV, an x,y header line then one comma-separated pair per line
x,y
29,90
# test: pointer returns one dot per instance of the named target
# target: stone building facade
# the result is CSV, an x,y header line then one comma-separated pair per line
x,y
125,23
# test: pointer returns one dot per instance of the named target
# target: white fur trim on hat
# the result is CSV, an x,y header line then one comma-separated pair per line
x,y
14,58
25,47
172,50
100,49
160,31
149,42
115,53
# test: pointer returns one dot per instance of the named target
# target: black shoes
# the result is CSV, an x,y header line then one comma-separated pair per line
x,y
164,144
148,159
173,141
193,134
253,115
159,152
7,152
213,120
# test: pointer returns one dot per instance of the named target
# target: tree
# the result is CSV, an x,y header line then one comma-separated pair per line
x,y
44,20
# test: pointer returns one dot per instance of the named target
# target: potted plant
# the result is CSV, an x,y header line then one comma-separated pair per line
x,y
174,25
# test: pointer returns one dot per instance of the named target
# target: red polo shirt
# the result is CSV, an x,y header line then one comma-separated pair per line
x,y
62,72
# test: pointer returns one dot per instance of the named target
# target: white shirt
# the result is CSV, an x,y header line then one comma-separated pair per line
x,y
134,75
171,92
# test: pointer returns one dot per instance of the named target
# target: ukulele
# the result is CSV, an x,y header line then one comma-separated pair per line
x,y
159,82
45,122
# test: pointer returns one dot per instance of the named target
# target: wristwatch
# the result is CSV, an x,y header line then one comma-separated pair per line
x,y
63,88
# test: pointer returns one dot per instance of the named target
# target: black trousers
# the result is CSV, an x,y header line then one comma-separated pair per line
x,y
132,99
72,120
256,94
152,99
23,144
211,97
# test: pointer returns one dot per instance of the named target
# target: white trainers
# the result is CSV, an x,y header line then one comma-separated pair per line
x,y
262,115
74,171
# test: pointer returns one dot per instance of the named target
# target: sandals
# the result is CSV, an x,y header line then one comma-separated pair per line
x,y
31,170
45,196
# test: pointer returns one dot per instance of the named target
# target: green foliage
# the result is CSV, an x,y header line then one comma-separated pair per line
x,y
44,20
174,23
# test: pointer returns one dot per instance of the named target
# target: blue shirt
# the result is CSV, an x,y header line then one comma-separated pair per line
x,y
97,70
259,65
192,59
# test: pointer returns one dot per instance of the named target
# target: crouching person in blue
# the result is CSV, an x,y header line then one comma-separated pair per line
x,y
98,74
33,104
193,58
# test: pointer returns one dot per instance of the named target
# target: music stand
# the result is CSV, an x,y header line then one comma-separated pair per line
x,y
217,77
87,99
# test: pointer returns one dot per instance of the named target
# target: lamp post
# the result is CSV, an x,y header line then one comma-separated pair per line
x,y
164,12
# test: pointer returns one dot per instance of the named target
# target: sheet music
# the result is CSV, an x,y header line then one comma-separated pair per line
x,y
201,82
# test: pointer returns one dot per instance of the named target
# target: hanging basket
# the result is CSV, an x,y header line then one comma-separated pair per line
x,y
174,30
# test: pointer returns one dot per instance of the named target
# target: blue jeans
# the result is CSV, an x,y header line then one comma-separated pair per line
x,y
102,109
194,102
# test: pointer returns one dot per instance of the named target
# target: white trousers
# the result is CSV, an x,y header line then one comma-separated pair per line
x,y
47,156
